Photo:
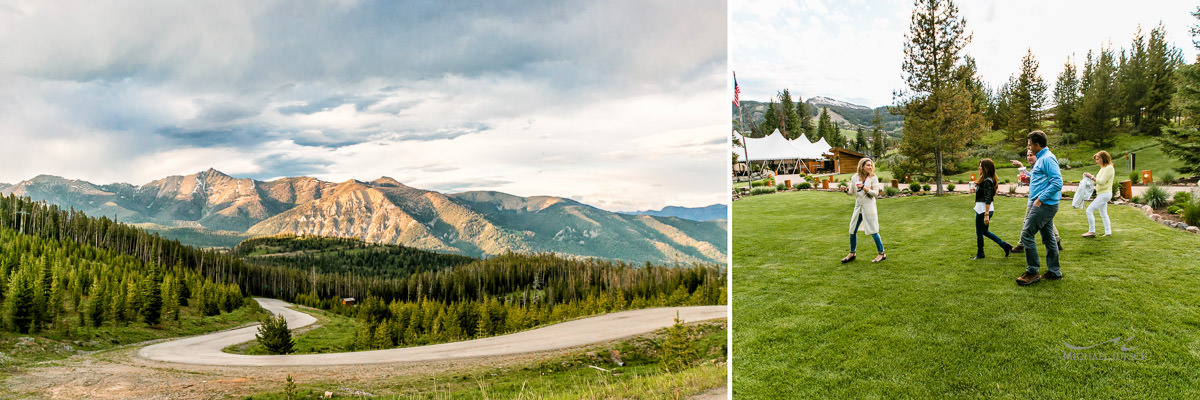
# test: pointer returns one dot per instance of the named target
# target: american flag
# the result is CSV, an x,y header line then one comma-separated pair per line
x,y
736,91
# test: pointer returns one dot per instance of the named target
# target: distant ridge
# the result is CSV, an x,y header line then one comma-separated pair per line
x,y
715,212
212,208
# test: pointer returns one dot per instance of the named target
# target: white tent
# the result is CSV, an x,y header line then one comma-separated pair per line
x,y
809,150
773,147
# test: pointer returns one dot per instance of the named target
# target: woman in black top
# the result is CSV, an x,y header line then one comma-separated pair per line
x,y
984,209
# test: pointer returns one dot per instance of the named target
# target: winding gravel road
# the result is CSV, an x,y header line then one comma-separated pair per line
x,y
206,349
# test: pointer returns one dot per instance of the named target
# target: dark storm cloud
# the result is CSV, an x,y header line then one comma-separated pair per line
x,y
287,165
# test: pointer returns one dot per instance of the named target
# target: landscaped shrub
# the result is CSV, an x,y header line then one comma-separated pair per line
x,y
1135,177
1068,194
804,185
755,184
1191,212
905,191
1012,189
780,187
1155,197
1136,199
891,191
1175,210
914,187
762,190
842,184
1182,198
1064,163
950,187
1007,181
1167,178
925,187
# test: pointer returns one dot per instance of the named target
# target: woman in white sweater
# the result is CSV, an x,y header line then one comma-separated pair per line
x,y
1104,184
865,187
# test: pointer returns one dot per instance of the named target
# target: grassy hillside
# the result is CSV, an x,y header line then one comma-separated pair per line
x,y
931,323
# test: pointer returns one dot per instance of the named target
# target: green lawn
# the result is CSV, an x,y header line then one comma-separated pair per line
x,y
931,323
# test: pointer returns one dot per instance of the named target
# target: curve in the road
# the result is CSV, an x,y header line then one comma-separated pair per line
x,y
206,349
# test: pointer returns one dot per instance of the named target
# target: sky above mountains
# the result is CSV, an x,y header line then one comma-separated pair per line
x,y
622,105
852,50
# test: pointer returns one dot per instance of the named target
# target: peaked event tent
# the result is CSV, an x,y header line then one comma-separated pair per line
x,y
775,147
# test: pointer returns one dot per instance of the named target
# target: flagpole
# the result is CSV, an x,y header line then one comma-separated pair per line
x,y
742,132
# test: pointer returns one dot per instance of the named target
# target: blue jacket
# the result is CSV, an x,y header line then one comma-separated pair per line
x,y
1045,180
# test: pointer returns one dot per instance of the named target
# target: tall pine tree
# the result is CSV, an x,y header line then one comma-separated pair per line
x,y
1066,98
1183,142
1162,60
1098,103
940,114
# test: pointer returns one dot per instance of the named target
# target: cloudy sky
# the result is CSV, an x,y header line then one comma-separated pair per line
x,y
622,105
851,50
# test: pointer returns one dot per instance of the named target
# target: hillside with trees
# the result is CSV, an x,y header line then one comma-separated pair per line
x,y
115,273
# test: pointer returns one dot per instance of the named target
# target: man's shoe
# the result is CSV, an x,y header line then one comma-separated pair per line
x,y
1028,278
977,258
1052,277
1008,249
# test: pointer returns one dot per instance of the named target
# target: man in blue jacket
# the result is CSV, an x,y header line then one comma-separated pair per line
x,y
1045,190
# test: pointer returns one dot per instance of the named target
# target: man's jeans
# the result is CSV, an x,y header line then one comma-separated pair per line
x,y
1041,220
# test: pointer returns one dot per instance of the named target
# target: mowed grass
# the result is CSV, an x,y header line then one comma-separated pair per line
x,y
930,323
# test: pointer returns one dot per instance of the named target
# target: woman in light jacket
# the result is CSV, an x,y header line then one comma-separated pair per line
x,y
1104,183
984,209
865,187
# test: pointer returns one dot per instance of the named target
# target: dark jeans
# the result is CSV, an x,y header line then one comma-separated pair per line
x,y
981,231
1041,221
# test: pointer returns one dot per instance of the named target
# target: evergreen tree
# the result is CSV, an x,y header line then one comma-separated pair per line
x,y
878,143
771,120
1162,60
273,333
152,303
1027,94
676,352
860,140
824,126
1066,98
1129,81
940,112
1183,141
485,326
806,122
19,302
791,119
1098,102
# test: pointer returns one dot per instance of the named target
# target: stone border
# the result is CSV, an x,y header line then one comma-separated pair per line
x,y
1159,219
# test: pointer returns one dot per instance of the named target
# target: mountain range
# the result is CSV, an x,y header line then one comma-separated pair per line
x,y
477,223
851,115
714,212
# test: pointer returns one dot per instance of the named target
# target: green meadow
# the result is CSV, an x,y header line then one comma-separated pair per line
x,y
929,322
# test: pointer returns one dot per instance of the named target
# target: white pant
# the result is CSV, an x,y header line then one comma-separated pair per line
x,y
1100,203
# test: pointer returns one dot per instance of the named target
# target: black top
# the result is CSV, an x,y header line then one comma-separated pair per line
x,y
986,191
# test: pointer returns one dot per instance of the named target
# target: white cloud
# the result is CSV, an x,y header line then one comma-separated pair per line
x,y
618,103
853,52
